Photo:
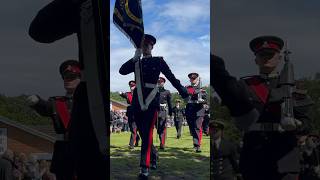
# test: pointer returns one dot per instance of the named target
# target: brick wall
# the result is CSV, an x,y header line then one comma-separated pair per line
x,y
21,141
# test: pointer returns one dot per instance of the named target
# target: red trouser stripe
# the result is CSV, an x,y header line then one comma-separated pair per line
x,y
134,135
150,138
164,136
200,136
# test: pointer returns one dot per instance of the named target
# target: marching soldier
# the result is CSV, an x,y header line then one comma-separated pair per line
x,y
224,159
165,108
206,119
178,116
256,103
59,109
146,97
134,138
195,110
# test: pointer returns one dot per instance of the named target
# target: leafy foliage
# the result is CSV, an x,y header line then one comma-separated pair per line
x,y
17,109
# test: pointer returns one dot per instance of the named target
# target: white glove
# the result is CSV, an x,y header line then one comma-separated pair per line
x,y
288,123
33,99
120,92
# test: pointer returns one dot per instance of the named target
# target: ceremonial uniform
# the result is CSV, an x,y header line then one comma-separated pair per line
x,y
59,109
206,119
146,116
224,155
165,109
269,151
134,138
224,160
53,22
195,112
178,116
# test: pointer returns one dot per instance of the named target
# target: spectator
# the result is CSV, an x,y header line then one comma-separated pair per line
x,y
17,174
32,168
6,165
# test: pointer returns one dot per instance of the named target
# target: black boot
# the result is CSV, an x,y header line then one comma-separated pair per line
x,y
144,173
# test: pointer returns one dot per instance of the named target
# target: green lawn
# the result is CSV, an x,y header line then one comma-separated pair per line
x,y
178,161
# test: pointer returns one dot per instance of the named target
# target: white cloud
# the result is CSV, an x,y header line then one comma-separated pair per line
x,y
183,55
182,32
186,14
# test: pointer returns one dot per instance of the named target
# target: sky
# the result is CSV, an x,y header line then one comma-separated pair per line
x,y
236,22
182,29
28,67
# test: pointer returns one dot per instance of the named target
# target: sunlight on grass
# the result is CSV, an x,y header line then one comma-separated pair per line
x,y
178,161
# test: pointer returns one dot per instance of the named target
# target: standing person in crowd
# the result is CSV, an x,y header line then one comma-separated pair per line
x,y
178,116
165,109
6,165
225,156
134,137
195,110
59,109
145,99
310,159
33,171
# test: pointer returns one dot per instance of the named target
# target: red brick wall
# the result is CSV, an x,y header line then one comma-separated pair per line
x,y
21,141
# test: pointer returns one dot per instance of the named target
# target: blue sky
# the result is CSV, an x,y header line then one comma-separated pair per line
x,y
182,29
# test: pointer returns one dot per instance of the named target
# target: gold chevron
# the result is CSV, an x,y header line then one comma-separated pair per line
x,y
131,15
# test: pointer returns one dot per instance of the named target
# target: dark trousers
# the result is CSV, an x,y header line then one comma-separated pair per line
x,y
162,129
90,163
195,127
257,161
146,121
205,124
62,164
178,125
255,176
134,138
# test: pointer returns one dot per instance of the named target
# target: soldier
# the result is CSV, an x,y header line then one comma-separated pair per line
x,y
311,159
195,110
59,109
134,138
224,158
145,100
269,142
206,119
165,109
53,22
178,116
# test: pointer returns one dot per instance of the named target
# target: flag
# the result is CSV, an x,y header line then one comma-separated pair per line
x,y
127,16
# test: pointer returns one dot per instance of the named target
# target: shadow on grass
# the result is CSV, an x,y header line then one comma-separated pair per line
x,y
174,164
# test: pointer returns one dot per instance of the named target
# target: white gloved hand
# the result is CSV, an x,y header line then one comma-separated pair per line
x,y
137,55
288,123
33,99
120,92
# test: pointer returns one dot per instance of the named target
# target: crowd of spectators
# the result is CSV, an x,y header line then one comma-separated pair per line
x,y
19,166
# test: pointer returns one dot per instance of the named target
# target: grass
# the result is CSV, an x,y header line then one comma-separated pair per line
x,y
178,161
